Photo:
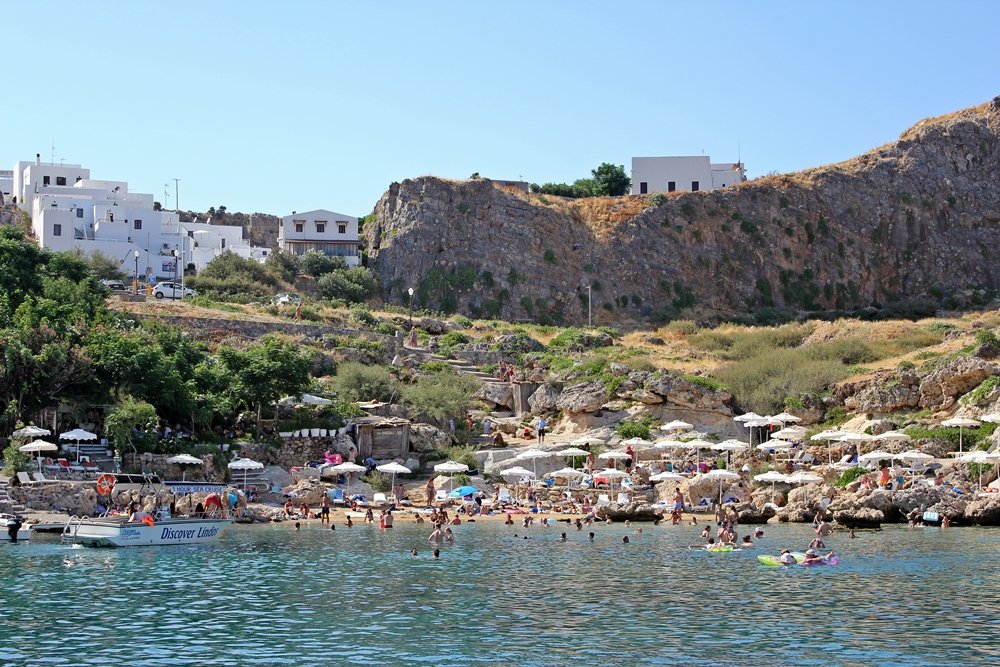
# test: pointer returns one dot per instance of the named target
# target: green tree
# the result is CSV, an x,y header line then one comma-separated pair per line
x,y
357,382
128,415
264,372
317,264
440,395
21,266
353,285
611,180
15,461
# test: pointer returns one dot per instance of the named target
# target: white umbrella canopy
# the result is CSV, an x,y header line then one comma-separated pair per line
x,y
446,467
772,476
518,471
746,417
829,436
961,423
30,431
876,456
787,418
991,418
588,440
37,447
245,465
568,472
803,477
776,445
731,446
533,455
572,451
611,473
669,443
636,442
914,455
789,433
394,469
980,458
78,434
348,467
667,477
615,455
676,425
721,475
183,460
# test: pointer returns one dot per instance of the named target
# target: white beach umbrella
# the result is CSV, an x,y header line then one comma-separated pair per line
x,y
914,455
803,477
776,445
676,425
746,417
991,418
855,439
588,440
394,469
981,458
961,423
77,435
568,472
636,443
829,436
786,418
517,471
669,443
721,475
667,477
348,468
533,455
30,431
245,465
789,433
183,460
573,452
877,455
614,455
730,446
611,474
37,447
772,476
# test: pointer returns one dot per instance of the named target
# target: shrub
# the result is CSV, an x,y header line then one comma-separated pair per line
x,y
379,481
357,382
980,393
849,476
681,327
449,341
441,395
657,199
317,264
352,285
361,315
987,337
632,428
15,461
436,367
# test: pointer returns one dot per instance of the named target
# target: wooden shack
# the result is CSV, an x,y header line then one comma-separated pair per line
x,y
382,437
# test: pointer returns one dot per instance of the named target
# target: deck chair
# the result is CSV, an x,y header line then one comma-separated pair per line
x,y
379,499
441,496
336,496
504,496
22,477
41,478
603,500
704,505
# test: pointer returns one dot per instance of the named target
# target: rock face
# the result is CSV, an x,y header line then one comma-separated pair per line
x,y
940,388
630,512
752,513
544,398
583,397
886,226
983,511
501,395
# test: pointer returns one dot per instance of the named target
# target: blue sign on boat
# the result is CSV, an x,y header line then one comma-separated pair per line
x,y
195,487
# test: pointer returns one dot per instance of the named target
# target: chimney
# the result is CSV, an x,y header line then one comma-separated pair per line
x,y
38,158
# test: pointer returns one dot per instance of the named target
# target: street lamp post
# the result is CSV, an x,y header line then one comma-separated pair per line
x,y
135,275
177,261
410,292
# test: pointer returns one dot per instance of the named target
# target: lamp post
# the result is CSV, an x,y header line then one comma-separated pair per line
x,y
410,292
135,275
177,260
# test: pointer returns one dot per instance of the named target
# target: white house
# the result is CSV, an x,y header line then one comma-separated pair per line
x,y
333,234
683,174
69,210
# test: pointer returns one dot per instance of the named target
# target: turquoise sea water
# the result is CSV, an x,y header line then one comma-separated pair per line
x,y
268,595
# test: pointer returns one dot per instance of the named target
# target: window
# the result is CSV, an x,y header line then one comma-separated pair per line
x,y
45,180
137,224
341,228
79,212
320,227
56,230
300,226
223,243
642,188
60,180
694,186
671,186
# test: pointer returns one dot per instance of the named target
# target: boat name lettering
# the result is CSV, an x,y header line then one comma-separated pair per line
x,y
173,534
131,533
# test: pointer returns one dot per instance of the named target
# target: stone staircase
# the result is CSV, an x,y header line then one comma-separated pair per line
x,y
7,504
460,365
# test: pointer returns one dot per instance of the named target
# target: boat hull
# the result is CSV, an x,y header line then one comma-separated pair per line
x,y
98,533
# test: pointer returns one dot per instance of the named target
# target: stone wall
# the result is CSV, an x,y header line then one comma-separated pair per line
x,y
886,226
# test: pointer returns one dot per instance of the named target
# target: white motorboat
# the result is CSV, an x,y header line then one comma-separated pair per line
x,y
112,532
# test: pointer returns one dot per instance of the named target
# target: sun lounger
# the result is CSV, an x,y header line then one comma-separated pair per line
x,y
441,496
603,500
22,478
504,496
703,506
337,496
622,498
379,499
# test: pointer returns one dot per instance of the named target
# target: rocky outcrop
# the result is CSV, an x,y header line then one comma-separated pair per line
x,y
941,388
983,511
887,392
73,498
425,437
887,226
545,398
497,395
752,513
630,512
583,397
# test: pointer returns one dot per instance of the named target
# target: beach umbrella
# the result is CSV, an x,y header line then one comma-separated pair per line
x,y
347,468
517,471
37,447
829,436
533,455
568,472
786,418
588,440
573,452
614,455
772,476
991,418
394,469
746,417
789,433
721,475
776,445
30,431
730,446
245,465
877,455
855,439
676,425
611,474
803,477
980,458
183,460
667,477
463,491
914,455
961,423
698,444
450,468
76,435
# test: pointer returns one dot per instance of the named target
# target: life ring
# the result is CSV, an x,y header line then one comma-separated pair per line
x,y
148,520
105,483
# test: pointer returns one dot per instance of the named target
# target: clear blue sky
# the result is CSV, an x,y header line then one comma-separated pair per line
x,y
281,106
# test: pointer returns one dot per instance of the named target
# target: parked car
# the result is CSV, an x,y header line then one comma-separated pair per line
x,y
114,285
284,299
171,290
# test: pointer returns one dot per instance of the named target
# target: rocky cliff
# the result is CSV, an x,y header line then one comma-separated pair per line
x,y
911,220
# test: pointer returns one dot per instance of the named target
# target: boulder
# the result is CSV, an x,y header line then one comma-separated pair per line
x,y
859,517
276,476
951,506
500,394
630,512
311,491
432,326
763,496
941,386
583,397
425,437
753,513
983,511
641,396
919,498
887,392
795,513
544,399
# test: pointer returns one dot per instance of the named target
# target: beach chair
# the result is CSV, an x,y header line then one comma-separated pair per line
x,y
336,496
441,496
22,478
504,496
379,499
622,498
41,478
704,505
603,500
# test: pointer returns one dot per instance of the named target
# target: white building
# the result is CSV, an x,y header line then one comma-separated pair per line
x,y
683,174
333,234
6,186
69,210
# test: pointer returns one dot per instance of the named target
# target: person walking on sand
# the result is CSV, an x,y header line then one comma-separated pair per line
x,y
542,423
429,488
